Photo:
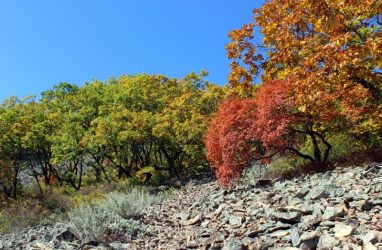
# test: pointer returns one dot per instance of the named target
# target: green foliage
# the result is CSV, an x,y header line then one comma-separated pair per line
x,y
105,131
345,144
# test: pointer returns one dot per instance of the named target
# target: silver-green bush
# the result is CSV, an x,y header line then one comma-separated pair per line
x,y
115,214
131,204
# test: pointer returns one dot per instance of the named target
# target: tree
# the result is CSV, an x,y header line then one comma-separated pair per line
x,y
13,127
331,49
230,141
320,66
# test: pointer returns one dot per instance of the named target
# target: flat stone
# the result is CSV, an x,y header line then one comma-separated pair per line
x,y
302,192
119,246
327,242
279,226
291,217
192,244
369,246
295,237
279,234
309,222
194,220
369,237
314,235
343,230
232,244
236,220
331,213
318,192
182,216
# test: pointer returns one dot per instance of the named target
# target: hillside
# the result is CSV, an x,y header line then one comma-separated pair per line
x,y
340,208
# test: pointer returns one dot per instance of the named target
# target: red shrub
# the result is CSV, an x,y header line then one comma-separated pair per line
x,y
230,137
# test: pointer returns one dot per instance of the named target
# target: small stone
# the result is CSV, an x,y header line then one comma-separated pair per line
x,y
33,237
369,246
302,192
232,245
364,205
252,211
42,246
343,230
194,220
310,236
279,226
182,216
279,234
369,237
236,220
327,242
309,240
295,237
319,192
309,222
192,244
119,246
291,217
332,212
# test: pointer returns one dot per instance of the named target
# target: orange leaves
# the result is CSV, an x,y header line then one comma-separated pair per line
x,y
242,49
329,48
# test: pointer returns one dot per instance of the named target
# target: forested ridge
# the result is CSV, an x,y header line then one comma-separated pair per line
x,y
306,99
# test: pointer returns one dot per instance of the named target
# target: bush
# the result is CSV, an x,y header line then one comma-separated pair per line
x,y
21,215
93,222
115,214
130,205
55,201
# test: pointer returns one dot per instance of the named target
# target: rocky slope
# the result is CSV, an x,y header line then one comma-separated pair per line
x,y
340,209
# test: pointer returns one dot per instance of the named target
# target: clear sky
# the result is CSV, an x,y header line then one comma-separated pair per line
x,y
44,42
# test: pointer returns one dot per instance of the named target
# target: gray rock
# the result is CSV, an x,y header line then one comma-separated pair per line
x,y
279,226
295,237
327,242
331,213
291,217
236,220
309,222
369,237
233,244
119,246
321,191
302,192
183,216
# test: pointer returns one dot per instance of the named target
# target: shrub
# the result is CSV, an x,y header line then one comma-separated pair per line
x,y
93,222
131,204
115,214
21,215
55,201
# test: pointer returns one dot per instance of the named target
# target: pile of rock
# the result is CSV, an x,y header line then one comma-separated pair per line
x,y
340,209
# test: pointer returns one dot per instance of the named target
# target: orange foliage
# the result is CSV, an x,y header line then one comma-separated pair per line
x,y
331,49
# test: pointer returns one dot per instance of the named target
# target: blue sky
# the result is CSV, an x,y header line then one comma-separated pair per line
x,y
44,42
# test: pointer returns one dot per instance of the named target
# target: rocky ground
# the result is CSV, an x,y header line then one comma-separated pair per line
x,y
340,209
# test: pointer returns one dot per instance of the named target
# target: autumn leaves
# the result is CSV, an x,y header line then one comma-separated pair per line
x,y
319,64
